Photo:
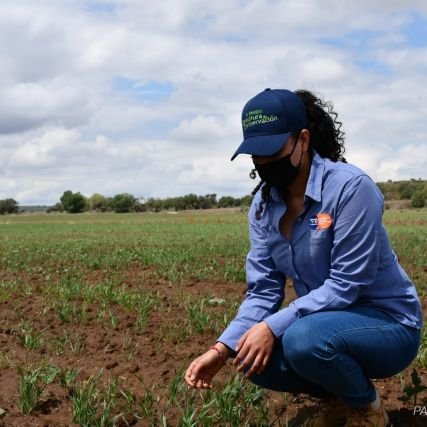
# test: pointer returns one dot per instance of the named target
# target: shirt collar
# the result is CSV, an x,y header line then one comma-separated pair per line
x,y
314,183
315,179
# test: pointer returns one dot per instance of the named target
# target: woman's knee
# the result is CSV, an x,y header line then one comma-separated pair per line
x,y
301,342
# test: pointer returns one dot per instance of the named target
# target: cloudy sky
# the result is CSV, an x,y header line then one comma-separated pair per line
x,y
145,96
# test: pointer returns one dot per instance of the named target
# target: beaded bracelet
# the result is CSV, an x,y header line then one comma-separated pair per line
x,y
221,356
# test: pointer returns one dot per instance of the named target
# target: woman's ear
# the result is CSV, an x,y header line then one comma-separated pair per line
x,y
305,139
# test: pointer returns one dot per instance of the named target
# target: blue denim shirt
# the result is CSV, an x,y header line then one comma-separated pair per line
x,y
339,254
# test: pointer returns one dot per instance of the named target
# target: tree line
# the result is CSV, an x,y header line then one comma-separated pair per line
x,y
122,203
413,190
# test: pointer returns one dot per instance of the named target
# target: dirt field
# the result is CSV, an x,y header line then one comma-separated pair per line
x,y
108,351
157,358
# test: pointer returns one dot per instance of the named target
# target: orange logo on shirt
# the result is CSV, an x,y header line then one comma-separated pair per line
x,y
321,221
324,221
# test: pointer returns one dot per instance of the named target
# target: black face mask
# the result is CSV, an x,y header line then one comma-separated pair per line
x,y
280,173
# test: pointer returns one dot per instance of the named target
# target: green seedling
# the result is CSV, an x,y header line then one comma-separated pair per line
x,y
176,386
144,308
129,399
411,391
129,346
198,316
29,338
95,406
147,402
226,400
78,345
68,378
32,385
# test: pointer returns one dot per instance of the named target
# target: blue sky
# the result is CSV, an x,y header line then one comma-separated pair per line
x,y
97,7
150,91
145,97
415,30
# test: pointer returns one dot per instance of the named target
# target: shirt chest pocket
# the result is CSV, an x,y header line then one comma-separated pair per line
x,y
319,240
317,253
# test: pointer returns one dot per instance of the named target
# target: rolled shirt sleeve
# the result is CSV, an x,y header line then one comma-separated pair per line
x,y
354,255
265,284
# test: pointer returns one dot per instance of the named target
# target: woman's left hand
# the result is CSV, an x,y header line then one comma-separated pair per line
x,y
254,348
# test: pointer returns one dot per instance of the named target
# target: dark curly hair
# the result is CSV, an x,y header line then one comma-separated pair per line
x,y
326,136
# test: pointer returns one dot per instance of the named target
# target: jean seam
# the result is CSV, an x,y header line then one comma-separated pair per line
x,y
352,330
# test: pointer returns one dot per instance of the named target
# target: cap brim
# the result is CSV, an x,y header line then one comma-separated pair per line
x,y
265,145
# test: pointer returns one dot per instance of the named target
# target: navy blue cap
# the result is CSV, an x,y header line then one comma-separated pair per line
x,y
268,120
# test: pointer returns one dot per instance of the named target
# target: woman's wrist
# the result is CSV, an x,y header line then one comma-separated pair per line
x,y
223,348
222,351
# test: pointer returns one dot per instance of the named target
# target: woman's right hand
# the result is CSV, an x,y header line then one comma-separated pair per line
x,y
201,371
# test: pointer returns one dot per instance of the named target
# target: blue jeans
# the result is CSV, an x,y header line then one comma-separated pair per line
x,y
335,353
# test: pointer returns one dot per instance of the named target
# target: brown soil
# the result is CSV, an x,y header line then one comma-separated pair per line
x,y
159,353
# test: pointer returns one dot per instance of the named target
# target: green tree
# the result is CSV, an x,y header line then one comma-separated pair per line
x,y
66,198
191,201
73,202
226,202
408,188
179,204
154,205
8,206
207,202
98,202
419,197
122,203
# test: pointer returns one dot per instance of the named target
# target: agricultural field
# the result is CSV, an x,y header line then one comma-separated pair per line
x,y
100,314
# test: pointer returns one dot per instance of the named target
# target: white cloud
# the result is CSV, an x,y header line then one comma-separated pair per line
x,y
392,163
59,101
42,152
63,124
202,129
321,69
